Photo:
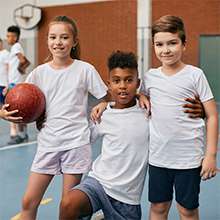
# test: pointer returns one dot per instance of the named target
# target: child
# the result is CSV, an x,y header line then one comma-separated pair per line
x,y
63,141
116,180
3,71
18,132
177,155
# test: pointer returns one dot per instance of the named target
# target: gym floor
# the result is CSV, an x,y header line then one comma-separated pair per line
x,y
15,162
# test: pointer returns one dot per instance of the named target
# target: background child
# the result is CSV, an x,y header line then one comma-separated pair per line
x,y
63,142
116,181
178,155
18,132
3,70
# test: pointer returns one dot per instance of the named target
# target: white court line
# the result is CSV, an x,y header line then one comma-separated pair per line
x,y
17,145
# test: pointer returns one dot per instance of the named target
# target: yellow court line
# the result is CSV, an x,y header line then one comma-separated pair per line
x,y
43,202
16,217
46,201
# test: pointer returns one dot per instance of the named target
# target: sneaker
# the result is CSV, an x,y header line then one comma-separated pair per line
x,y
15,140
98,216
24,139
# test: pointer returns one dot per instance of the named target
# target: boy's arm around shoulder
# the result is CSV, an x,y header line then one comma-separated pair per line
x,y
143,95
97,110
144,101
209,163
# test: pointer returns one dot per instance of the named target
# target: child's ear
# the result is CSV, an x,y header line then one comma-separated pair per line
x,y
138,83
76,41
109,85
184,46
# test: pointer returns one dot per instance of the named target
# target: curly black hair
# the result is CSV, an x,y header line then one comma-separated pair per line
x,y
120,59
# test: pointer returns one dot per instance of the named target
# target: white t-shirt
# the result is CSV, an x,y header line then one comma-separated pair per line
x,y
3,67
122,164
176,141
14,75
66,91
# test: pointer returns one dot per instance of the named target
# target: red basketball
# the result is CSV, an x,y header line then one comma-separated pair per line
x,y
28,99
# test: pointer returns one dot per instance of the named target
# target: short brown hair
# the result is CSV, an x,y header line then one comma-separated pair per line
x,y
169,23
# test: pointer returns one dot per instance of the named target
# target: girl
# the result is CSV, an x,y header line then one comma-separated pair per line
x,y
63,141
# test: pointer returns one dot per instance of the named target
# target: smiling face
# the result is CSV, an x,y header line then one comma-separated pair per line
x,y
11,38
123,85
168,48
60,40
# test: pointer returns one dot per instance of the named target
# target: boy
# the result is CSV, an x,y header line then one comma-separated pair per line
x,y
176,156
3,70
17,61
116,180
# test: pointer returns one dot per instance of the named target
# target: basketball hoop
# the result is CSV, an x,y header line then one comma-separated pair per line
x,y
27,16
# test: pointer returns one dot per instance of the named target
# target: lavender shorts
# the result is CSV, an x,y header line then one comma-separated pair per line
x,y
75,161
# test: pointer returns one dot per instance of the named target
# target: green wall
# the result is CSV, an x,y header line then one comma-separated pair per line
x,y
210,62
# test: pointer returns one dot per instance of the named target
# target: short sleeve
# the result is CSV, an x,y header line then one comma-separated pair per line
x,y
31,78
17,49
95,84
203,88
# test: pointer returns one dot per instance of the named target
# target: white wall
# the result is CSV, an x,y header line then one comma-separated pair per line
x,y
8,6
28,37
6,11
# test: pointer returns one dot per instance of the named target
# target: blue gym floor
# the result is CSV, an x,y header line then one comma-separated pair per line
x,y
15,162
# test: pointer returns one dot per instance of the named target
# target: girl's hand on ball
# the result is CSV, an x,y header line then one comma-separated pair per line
x,y
8,115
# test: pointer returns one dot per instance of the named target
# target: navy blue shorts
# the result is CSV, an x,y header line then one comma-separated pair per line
x,y
112,208
186,183
1,95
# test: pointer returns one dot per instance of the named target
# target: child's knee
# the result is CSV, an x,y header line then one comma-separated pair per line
x,y
188,213
29,203
66,203
69,207
160,208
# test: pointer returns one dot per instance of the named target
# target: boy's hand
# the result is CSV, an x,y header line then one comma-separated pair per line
x,y
8,115
23,63
97,111
144,102
208,167
194,108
